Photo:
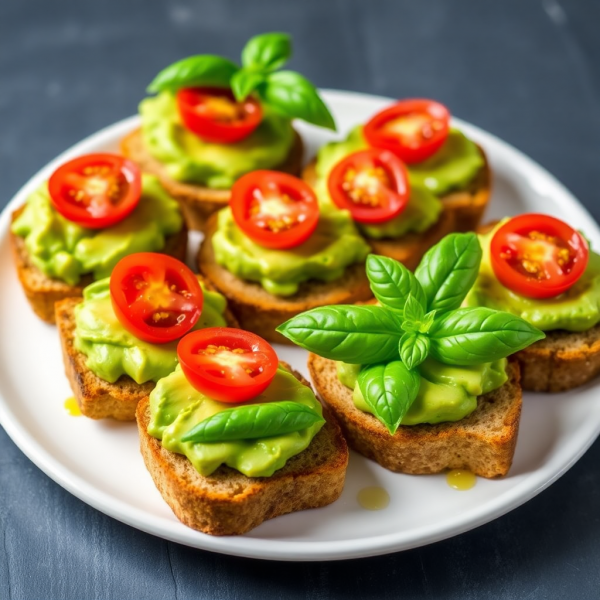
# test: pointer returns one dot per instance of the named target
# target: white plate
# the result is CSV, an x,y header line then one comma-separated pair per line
x,y
100,462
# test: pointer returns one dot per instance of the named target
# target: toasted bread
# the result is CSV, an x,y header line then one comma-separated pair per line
x,y
261,312
484,442
461,211
99,399
197,202
43,291
230,503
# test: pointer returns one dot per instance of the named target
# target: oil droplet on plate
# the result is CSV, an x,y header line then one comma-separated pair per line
x,y
72,407
373,498
460,479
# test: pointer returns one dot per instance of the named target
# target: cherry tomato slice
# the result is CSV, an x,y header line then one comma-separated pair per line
x,y
274,209
538,256
155,297
216,116
372,184
96,190
226,364
412,129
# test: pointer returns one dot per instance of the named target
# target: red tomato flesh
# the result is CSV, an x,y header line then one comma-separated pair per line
x,y
226,364
372,184
274,209
96,190
414,130
216,116
155,297
538,256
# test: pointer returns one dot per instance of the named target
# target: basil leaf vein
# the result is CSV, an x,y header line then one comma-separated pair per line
x,y
414,349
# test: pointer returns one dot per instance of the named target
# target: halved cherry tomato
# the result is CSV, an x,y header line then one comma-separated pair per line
x,y
412,129
274,209
96,190
155,297
372,184
227,364
538,256
216,116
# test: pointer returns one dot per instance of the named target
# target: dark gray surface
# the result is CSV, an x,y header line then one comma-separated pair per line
x,y
528,71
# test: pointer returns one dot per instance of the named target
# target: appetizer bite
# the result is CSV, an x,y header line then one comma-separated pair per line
x,y
233,437
407,178
275,253
121,338
93,211
417,383
212,121
541,269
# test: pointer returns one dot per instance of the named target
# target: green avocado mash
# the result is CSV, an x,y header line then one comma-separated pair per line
x,y
447,393
334,245
176,407
64,250
578,309
112,351
187,158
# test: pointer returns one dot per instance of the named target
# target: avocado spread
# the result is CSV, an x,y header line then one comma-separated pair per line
x,y
176,407
64,250
112,351
188,158
578,309
333,246
447,393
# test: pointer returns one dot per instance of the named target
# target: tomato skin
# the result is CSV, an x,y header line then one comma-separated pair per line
x,y
142,295
210,370
194,105
100,210
521,235
410,148
394,191
256,190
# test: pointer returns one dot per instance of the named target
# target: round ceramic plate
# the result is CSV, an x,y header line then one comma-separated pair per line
x,y
100,462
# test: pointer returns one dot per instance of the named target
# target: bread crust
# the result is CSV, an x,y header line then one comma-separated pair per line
x,y
230,503
197,202
99,399
484,442
43,292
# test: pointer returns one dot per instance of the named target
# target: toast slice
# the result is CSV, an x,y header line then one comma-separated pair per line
x,y
42,291
99,399
484,442
461,211
230,503
197,202
261,312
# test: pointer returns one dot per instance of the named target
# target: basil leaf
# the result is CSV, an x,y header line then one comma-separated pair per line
x,y
202,69
471,336
414,348
449,269
293,96
352,334
389,389
392,283
244,82
413,310
252,421
267,51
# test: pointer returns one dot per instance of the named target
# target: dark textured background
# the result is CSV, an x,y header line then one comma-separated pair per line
x,y
526,70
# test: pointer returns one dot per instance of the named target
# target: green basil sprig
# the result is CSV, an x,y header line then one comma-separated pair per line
x,y
285,92
253,421
418,316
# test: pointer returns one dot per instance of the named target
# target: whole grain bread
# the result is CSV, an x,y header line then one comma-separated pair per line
x,y
230,503
43,292
484,442
197,202
261,312
97,398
